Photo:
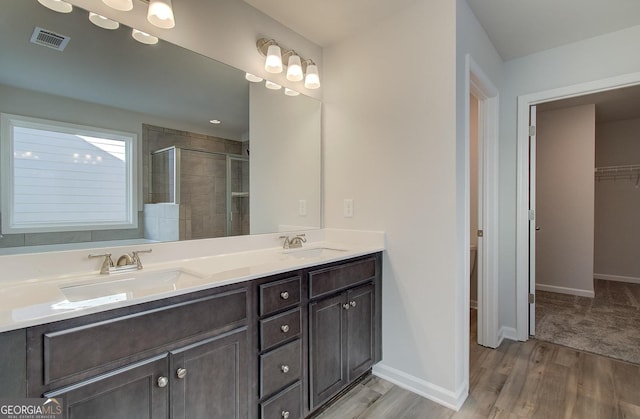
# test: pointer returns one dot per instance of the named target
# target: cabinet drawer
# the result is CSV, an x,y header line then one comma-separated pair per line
x,y
279,328
280,367
76,350
328,280
286,404
278,295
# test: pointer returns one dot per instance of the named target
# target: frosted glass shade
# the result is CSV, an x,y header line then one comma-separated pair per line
x,y
273,62
143,37
271,85
103,22
122,5
160,14
312,80
290,92
294,69
253,78
57,5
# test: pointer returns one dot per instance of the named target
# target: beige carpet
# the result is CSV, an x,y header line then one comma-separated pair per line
x,y
608,324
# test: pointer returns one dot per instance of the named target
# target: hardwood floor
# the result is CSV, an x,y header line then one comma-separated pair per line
x,y
531,379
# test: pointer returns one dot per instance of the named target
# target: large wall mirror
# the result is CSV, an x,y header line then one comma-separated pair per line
x,y
65,111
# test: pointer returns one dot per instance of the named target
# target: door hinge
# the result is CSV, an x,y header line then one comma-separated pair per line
x,y
532,215
532,130
532,298
480,233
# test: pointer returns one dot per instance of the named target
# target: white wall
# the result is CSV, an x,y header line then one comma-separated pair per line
x,y
617,202
284,151
225,30
565,158
473,194
593,59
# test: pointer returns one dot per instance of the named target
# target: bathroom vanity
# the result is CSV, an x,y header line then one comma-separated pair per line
x,y
275,346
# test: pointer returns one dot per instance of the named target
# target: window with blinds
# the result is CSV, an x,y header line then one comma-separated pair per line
x,y
64,177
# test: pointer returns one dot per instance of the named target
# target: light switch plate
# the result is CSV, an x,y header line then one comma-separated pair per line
x,y
302,207
348,208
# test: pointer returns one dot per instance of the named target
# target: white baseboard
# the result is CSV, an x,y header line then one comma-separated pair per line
x,y
564,290
630,279
473,304
447,398
507,333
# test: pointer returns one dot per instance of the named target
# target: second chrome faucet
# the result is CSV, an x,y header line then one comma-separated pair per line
x,y
293,243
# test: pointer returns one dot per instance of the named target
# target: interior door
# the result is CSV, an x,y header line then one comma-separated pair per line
x,y
532,219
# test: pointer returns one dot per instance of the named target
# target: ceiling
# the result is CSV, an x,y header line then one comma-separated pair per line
x,y
515,27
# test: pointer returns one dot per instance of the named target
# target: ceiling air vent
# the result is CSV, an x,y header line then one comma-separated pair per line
x,y
49,39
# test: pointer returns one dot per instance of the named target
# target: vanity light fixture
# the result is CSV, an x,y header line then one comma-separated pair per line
x,y
160,14
253,78
122,5
298,68
57,5
103,22
290,92
143,37
271,85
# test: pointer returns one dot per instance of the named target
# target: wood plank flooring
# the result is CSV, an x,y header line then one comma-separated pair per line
x,y
531,379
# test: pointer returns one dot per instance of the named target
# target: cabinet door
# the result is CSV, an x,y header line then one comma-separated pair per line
x,y
210,378
327,340
360,330
132,392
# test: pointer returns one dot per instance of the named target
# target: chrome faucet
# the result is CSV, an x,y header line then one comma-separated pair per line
x,y
293,243
127,262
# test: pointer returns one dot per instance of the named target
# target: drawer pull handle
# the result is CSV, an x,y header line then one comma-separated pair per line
x,y
284,328
353,303
284,368
346,306
284,295
163,381
181,373
285,414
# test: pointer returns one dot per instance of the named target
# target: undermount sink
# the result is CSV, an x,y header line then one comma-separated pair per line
x,y
124,286
314,252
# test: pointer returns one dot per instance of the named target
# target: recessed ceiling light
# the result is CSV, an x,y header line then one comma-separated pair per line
x,y
271,85
290,92
103,22
216,121
143,37
253,78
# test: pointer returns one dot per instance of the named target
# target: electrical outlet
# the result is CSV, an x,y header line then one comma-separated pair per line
x,y
302,207
348,208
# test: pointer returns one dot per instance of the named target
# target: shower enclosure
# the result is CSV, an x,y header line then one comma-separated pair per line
x,y
197,194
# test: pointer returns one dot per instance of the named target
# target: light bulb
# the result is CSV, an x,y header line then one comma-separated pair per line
x,y
160,14
122,5
312,80
294,69
273,62
57,5
253,78
103,22
271,85
143,37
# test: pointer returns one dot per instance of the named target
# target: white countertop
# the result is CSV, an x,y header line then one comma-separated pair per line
x,y
42,299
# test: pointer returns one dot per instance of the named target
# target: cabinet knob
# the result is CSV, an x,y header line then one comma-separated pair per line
x,y
346,306
163,381
353,303
284,368
181,372
285,414
284,295
284,328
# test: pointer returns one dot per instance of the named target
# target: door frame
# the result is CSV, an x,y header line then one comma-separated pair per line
x,y
478,84
522,193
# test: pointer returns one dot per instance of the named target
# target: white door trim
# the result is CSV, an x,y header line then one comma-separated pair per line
x,y
478,84
522,185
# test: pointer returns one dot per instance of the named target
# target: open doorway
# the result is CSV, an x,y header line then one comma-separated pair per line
x,y
529,218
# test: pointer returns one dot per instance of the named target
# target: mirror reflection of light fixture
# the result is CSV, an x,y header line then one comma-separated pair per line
x,y
253,78
298,68
160,14
311,80
294,68
290,92
143,37
57,5
103,22
122,5
271,85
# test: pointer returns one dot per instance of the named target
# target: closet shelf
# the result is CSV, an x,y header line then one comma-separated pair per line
x,y
625,169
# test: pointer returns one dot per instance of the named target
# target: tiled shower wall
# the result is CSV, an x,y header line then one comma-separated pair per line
x,y
203,188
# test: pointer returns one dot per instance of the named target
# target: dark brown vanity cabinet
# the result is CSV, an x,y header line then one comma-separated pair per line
x,y
185,358
344,327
